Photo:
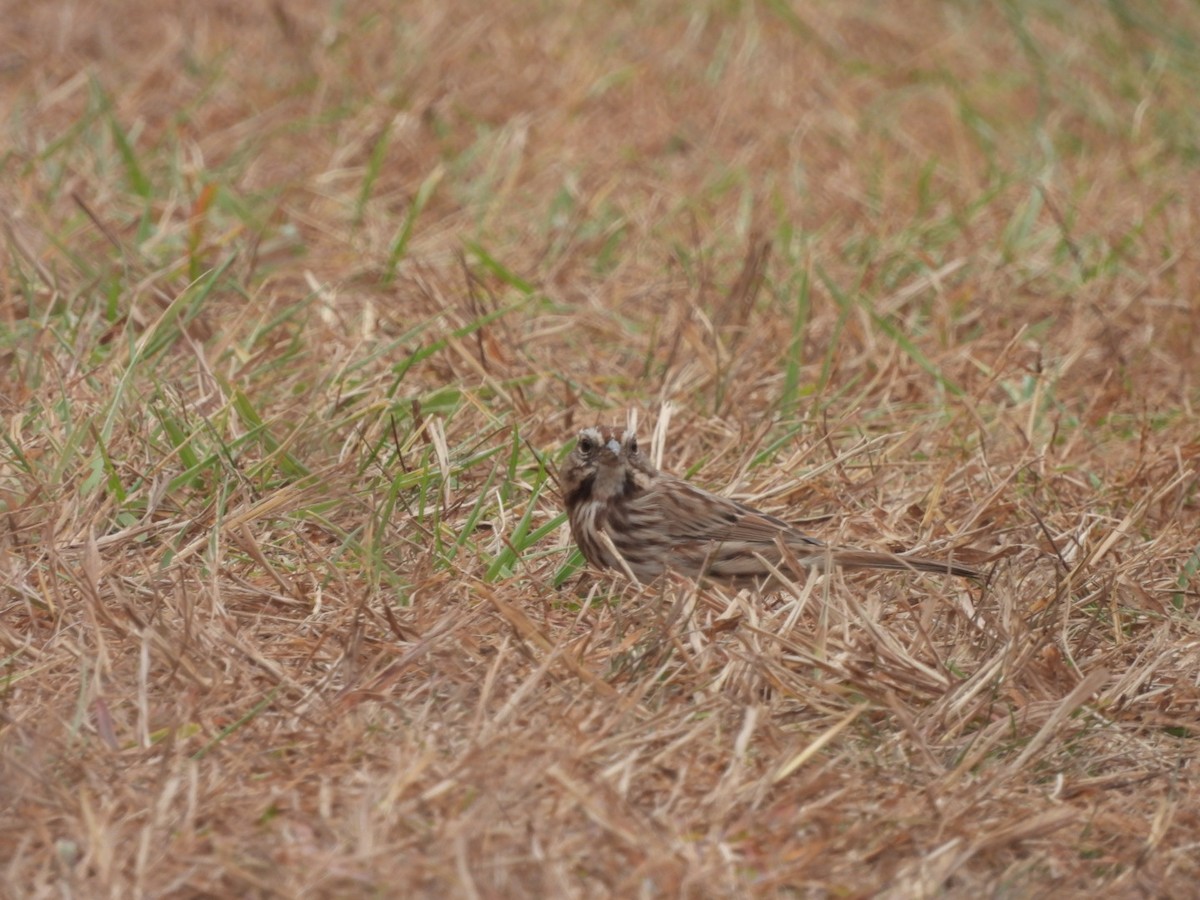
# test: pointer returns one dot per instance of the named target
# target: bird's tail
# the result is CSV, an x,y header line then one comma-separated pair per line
x,y
867,559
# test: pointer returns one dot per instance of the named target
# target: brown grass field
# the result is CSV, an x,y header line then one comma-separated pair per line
x,y
302,301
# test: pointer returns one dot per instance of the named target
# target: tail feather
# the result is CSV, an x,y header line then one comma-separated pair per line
x,y
867,559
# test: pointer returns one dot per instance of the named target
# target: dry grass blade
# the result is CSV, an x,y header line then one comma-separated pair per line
x,y
527,630
289,353
795,762
1090,684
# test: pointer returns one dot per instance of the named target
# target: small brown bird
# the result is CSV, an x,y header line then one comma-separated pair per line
x,y
627,515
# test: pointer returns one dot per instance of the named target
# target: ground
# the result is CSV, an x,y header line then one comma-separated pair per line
x,y
300,305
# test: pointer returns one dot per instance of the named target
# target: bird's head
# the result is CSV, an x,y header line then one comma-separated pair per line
x,y
604,464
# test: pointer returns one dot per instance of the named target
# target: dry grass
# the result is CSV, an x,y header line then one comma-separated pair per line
x,y
294,294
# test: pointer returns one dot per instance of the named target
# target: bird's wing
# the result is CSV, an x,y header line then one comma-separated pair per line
x,y
688,513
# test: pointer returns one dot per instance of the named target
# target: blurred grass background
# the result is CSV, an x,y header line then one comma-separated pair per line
x,y
299,303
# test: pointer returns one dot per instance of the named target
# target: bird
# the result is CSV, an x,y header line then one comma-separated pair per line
x,y
625,514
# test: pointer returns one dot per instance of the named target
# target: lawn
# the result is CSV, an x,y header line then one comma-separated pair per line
x,y
301,304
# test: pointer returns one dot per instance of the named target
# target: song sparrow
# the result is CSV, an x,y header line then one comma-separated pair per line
x,y
627,515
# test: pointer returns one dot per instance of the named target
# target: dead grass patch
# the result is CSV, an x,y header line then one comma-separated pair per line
x,y
293,299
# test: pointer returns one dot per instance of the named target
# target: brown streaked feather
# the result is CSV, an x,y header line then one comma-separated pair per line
x,y
691,513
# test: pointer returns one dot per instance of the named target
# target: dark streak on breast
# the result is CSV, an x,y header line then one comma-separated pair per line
x,y
631,486
581,493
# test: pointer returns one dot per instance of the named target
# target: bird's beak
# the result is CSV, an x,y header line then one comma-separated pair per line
x,y
615,446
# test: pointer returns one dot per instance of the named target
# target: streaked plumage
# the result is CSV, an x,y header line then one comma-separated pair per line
x,y
627,515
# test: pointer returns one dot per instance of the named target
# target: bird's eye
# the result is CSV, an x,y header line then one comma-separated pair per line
x,y
633,445
586,445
